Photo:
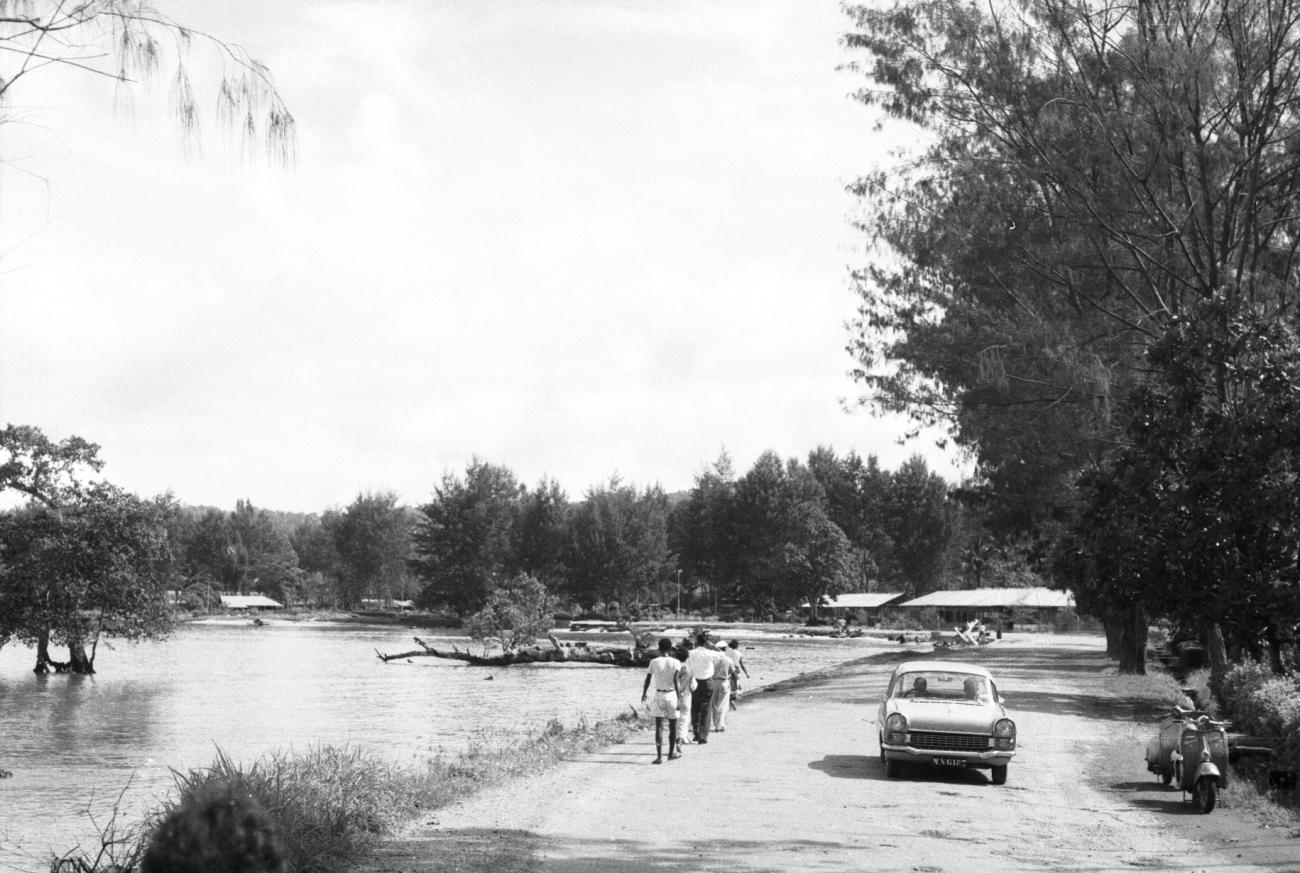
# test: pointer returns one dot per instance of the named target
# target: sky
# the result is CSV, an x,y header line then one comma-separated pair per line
x,y
577,238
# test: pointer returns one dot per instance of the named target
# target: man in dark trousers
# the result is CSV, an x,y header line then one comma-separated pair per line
x,y
703,663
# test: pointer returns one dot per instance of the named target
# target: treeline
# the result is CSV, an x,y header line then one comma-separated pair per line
x,y
83,559
784,533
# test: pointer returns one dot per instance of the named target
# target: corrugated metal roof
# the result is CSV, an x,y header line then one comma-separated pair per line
x,y
858,601
245,601
977,598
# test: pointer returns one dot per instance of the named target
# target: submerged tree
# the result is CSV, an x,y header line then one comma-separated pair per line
x,y
97,566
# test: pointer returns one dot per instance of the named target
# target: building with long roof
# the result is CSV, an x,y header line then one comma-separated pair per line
x,y
1000,604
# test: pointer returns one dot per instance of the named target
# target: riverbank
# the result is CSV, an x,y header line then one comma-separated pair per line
x,y
795,784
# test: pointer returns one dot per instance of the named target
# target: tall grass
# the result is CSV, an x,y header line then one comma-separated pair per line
x,y
332,805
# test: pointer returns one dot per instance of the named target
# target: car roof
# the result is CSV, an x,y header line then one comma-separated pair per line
x,y
942,667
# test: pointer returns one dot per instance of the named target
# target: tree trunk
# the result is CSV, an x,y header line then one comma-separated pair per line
x,y
1112,624
1133,641
636,656
1274,648
1217,653
44,663
78,660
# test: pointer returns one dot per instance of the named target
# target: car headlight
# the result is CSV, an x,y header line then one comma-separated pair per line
x,y
1004,727
896,723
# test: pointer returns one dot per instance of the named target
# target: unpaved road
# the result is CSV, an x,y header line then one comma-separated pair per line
x,y
796,784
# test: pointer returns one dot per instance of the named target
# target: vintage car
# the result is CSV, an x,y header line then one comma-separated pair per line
x,y
945,714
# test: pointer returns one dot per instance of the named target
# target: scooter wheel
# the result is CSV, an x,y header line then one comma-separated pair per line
x,y
1205,793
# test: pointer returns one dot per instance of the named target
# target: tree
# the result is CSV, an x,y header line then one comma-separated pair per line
x,y
541,533
463,537
1197,519
792,552
43,470
373,540
265,561
1092,174
96,566
515,613
919,521
128,41
318,556
618,543
703,528
857,495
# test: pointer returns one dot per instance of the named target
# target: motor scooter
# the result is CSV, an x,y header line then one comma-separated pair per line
x,y
1191,751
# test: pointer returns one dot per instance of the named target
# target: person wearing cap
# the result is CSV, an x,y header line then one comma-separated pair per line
x,y
665,672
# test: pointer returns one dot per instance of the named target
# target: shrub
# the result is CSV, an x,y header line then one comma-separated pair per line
x,y
219,827
1238,685
1267,705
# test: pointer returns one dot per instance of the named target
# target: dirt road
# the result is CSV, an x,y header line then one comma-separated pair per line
x,y
796,784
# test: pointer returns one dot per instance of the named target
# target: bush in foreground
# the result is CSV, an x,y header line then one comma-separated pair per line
x,y
329,806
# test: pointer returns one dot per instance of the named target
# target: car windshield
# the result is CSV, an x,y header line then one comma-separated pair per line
x,y
942,685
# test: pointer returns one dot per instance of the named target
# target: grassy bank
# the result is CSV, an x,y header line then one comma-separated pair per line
x,y
1111,762
328,807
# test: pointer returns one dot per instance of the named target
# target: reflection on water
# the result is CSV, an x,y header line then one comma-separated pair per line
x,y
78,744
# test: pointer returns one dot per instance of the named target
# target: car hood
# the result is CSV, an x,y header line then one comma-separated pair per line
x,y
944,715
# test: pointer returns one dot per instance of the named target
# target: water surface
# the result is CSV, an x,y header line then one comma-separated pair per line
x,y
79,744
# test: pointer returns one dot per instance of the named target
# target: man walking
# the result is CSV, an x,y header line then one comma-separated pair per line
x,y
720,695
703,663
664,671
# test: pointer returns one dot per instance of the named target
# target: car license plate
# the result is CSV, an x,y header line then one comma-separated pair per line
x,y
950,762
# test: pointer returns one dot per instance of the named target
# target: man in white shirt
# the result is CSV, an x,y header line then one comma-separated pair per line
x,y
664,671
703,663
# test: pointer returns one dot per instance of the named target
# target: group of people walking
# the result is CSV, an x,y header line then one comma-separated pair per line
x,y
695,682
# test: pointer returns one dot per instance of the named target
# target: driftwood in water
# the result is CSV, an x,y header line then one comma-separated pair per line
x,y
578,653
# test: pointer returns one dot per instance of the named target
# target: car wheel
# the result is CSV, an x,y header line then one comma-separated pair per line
x,y
1206,793
893,769
1000,775
881,737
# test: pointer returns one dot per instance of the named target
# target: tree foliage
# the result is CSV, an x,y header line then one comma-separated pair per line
x,y
132,42
96,566
1093,177
515,613
618,543
463,537
373,542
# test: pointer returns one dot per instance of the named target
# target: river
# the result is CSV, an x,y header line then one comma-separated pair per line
x,y
79,744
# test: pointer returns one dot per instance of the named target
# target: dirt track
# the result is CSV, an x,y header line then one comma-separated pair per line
x,y
795,784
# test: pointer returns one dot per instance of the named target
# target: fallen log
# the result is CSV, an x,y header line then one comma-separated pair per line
x,y
578,653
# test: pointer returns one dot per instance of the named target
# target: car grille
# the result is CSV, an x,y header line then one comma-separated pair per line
x,y
948,742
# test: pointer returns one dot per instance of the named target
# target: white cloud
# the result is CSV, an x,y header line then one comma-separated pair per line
x,y
574,238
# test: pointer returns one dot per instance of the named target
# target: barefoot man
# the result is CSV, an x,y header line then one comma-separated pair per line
x,y
663,672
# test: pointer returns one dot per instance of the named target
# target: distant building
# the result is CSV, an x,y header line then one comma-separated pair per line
x,y
255,602
994,604
861,605
399,605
